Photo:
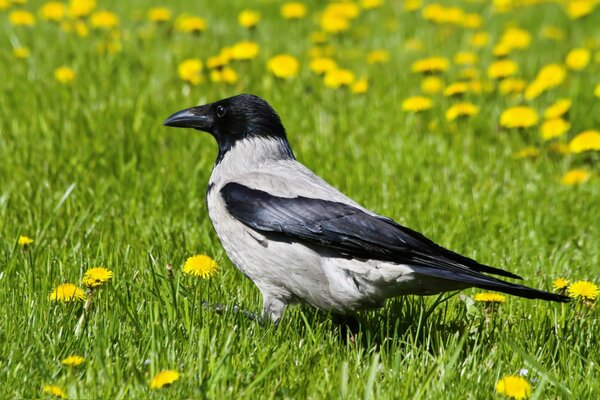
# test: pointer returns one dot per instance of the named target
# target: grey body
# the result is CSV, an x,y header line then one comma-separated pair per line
x,y
287,271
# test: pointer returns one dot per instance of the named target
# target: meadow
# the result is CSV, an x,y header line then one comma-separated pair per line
x,y
474,122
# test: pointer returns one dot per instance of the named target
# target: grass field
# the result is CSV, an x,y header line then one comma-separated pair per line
x,y
89,173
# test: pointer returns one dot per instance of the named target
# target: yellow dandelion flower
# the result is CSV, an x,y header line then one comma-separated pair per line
x,y
21,52
416,104
472,21
479,39
456,89
585,141
558,108
336,78
560,283
360,86
512,86
54,390
412,5
575,177
465,58
244,50
283,66
502,69
597,91
515,387
81,8
73,361
248,18
579,8
378,56
190,71
578,59
4,4
53,11
527,152
518,117
551,75
322,65
461,110
96,276
64,74
24,240
104,20
553,128
217,62
21,18
343,9
489,298
190,24
67,292
371,4
431,85
293,10
164,378
583,289
516,38
331,23
224,75
430,65
201,265
159,14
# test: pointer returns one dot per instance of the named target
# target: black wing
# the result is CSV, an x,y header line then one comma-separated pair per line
x,y
356,233
342,227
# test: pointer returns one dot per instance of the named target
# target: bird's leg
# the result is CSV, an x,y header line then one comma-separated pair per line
x,y
348,324
273,308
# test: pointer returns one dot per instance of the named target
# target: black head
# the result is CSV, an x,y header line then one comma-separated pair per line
x,y
232,119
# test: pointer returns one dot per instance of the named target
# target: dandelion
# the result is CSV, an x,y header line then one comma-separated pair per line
x,y
502,69
54,390
479,39
456,89
597,91
512,86
67,292
333,23
64,74
97,276
21,18
560,284
558,108
81,8
159,14
201,265
579,8
360,86
417,104
224,75
515,38
244,50
378,56
490,298
575,177
431,85
322,65
190,24
24,241
164,378
430,65
217,62
104,20
370,4
461,110
189,71
465,58
73,361
248,18
584,290
343,9
53,11
518,117
338,77
578,59
293,10
527,152
554,128
585,141
21,52
283,66
515,387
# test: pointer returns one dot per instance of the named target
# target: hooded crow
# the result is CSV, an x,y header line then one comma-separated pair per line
x,y
301,240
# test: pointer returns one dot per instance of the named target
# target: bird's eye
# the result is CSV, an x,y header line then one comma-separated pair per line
x,y
221,111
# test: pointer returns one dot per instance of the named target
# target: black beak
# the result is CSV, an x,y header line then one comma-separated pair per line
x,y
200,118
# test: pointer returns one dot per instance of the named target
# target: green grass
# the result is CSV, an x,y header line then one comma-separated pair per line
x,y
90,174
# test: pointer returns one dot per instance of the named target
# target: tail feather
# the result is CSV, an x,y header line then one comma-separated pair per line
x,y
524,291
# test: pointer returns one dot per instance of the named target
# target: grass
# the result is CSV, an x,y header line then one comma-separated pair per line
x,y
90,174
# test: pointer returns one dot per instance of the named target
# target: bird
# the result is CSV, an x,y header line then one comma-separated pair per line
x,y
300,240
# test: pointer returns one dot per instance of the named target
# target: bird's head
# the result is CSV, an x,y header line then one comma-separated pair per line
x,y
229,120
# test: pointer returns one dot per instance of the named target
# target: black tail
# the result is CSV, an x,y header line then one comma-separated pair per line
x,y
523,291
